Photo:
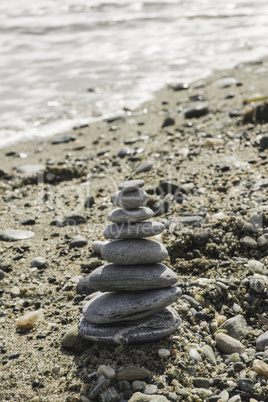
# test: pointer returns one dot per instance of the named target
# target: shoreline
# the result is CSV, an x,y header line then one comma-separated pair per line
x,y
122,113
219,162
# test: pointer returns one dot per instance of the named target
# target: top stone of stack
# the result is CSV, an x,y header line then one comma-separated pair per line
x,y
130,185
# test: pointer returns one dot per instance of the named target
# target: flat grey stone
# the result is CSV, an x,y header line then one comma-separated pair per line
x,y
112,307
262,341
30,169
228,345
131,185
144,166
83,287
236,327
2,274
78,242
133,230
111,277
120,215
148,329
16,234
133,252
97,246
39,262
130,199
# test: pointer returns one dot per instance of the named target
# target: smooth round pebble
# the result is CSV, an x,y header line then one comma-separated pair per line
x,y
228,345
2,274
78,242
39,262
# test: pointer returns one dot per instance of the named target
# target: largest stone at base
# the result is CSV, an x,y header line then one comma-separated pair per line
x,y
147,329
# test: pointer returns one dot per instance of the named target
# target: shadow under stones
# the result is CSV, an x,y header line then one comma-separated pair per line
x,y
88,356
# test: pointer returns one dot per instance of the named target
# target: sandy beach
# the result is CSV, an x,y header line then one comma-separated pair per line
x,y
210,138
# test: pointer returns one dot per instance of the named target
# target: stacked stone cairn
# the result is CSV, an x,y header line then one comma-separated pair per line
x,y
137,290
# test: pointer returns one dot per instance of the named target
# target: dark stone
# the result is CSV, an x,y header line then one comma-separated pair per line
x,y
13,355
147,329
179,86
223,168
89,202
160,207
264,142
258,114
28,221
235,113
83,287
199,110
197,98
124,152
166,187
63,139
79,242
74,219
169,121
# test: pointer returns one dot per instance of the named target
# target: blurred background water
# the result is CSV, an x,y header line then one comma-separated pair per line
x,y
71,62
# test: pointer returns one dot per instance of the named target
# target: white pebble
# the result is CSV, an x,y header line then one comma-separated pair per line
x,y
184,307
195,355
163,353
263,240
218,216
193,311
236,308
106,371
224,395
256,266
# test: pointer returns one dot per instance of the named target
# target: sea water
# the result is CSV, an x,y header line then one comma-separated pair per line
x,y
71,62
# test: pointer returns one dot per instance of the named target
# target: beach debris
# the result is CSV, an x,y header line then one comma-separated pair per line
x,y
29,319
138,288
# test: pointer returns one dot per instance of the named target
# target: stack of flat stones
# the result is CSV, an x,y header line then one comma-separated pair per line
x,y
136,288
